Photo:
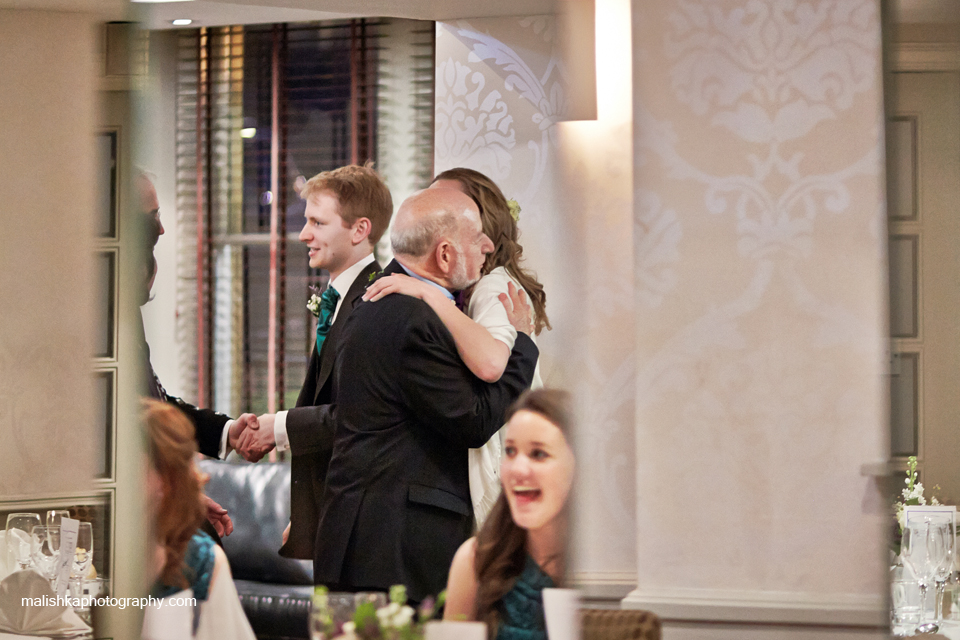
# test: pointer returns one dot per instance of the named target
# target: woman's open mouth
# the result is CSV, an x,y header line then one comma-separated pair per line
x,y
525,495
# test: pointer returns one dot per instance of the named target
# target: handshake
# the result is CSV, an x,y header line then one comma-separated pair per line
x,y
251,436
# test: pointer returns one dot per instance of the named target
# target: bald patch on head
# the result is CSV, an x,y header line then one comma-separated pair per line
x,y
147,194
427,216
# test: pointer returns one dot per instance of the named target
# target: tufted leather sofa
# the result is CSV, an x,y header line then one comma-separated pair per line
x,y
275,591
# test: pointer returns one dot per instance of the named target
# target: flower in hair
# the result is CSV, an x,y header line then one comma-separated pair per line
x,y
514,207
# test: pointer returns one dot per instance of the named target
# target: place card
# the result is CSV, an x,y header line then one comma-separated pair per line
x,y
69,530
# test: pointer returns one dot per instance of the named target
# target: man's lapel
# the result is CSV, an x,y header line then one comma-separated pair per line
x,y
351,300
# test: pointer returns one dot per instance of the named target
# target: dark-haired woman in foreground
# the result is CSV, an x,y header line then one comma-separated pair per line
x,y
498,576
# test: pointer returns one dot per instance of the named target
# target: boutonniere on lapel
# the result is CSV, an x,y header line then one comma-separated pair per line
x,y
372,277
313,304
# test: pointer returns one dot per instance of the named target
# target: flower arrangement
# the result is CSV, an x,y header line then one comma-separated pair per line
x,y
912,493
396,621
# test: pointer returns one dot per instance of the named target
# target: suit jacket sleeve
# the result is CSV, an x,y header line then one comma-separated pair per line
x,y
442,390
310,429
208,424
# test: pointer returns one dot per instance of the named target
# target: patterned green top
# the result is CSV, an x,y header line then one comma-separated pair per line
x,y
521,609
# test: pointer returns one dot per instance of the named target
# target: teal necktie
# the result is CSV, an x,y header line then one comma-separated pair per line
x,y
328,304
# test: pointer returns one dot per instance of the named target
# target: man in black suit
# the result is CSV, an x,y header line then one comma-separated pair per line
x,y
397,502
347,212
216,433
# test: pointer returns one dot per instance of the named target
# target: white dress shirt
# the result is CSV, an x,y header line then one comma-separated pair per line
x,y
341,284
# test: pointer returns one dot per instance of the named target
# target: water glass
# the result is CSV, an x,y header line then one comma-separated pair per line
x,y
905,600
19,528
82,557
45,551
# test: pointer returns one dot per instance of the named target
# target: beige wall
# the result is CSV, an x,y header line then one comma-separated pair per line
x,y
758,126
48,113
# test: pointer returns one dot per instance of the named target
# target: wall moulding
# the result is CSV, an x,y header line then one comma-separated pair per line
x,y
612,585
776,607
924,56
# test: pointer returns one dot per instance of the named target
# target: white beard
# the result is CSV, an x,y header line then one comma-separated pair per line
x,y
460,279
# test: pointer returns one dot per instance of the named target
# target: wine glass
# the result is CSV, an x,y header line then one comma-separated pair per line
x,y
923,550
82,559
45,551
944,570
54,516
19,528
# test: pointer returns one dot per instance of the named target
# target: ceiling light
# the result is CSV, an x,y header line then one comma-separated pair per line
x,y
181,22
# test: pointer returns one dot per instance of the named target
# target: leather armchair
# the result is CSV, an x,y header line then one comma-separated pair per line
x,y
275,592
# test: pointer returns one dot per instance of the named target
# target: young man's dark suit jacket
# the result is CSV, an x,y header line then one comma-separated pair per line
x,y
310,429
397,502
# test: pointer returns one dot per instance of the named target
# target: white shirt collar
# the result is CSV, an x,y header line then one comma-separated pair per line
x,y
344,281
419,277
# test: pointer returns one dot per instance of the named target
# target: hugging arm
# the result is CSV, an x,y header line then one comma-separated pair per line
x,y
446,394
485,355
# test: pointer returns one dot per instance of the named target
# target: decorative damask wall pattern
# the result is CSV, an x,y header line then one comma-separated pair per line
x,y
499,109
760,274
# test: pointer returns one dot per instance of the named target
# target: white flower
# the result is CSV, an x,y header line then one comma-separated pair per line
x,y
403,618
313,304
395,616
349,627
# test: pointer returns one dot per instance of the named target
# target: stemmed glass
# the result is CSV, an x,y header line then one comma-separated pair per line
x,y
45,551
945,569
923,549
54,516
82,559
19,528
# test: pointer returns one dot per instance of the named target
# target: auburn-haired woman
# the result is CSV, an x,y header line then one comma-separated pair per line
x,y
484,334
498,576
186,562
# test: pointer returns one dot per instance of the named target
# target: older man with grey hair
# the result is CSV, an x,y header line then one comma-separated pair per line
x,y
397,502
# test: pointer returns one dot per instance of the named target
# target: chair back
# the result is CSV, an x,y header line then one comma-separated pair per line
x,y
620,624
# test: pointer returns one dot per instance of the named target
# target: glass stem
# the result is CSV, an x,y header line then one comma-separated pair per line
x,y
923,603
940,589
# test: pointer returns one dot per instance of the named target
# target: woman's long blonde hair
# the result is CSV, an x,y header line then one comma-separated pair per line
x,y
172,448
502,230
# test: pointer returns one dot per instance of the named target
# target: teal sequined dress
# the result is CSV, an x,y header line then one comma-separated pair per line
x,y
521,609
198,569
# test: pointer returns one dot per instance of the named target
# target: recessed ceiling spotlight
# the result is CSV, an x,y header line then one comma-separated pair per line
x,y
181,22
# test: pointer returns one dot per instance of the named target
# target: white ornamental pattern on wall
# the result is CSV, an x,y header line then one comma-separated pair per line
x,y
656,235
473,127
478,131
770,71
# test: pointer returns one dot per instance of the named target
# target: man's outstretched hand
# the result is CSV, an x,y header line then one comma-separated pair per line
x,y
256,443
